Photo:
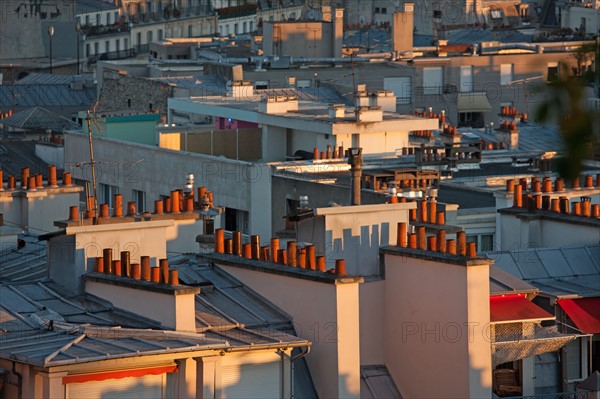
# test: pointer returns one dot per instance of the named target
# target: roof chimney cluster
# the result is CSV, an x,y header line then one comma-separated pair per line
x,y
34,182
303,257
331,153
532,196
136,271
437,243
178,203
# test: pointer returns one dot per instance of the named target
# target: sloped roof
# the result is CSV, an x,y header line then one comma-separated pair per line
x,y
45,90
377,383
16,154
560,272
68,344
46,326
27,263
38,118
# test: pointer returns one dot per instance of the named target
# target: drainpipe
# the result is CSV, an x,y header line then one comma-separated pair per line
x,y
19,381
292,360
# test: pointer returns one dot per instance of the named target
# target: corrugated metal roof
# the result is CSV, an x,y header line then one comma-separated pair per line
x,y
377,383
560,272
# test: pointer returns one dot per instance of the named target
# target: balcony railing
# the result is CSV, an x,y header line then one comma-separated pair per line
x,y
99,30
111,55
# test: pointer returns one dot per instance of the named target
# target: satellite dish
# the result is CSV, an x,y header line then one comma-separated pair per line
x,y
312,15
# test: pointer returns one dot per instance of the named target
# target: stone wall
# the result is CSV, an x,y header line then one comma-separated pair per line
x,y
129,93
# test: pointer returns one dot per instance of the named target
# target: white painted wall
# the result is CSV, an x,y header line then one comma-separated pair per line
x,y
436,316
328,316
157,171
36,211
521,234
354,233
51,154
71,255
173,311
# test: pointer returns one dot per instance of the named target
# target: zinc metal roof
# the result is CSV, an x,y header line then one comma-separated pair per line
x,y
64,344
39,118
45,91
225,302
16,154
559,272
23,264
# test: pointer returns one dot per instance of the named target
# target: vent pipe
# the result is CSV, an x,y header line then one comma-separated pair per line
x,y
355,161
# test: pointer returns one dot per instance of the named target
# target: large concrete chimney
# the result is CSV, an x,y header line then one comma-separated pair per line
x,y
355,160
402,30
337,31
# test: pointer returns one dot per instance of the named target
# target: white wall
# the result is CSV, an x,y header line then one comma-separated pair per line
x,y
526,233
355,233
36,211
436,316
324,313
51,154
71,255
157,171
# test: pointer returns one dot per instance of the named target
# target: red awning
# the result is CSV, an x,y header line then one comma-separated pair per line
x,y
515,308
585,313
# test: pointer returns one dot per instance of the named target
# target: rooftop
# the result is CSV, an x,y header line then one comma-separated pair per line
x,y
568,272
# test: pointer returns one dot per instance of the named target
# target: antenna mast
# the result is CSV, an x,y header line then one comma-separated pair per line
x,y
93,166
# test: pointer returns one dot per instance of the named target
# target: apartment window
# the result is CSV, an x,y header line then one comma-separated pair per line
x,y
98,19
377,10
160,34
433,80
96,48
140,200
486,242
553,72
125,44
107,46
437,14
107,194
496,14
244,27
87,19
108,17
116,16
466,78
87,50
251,26
383,10
190,31
149,36
506,74
118,44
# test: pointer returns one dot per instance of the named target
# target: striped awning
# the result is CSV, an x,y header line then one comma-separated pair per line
x,y
473,102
